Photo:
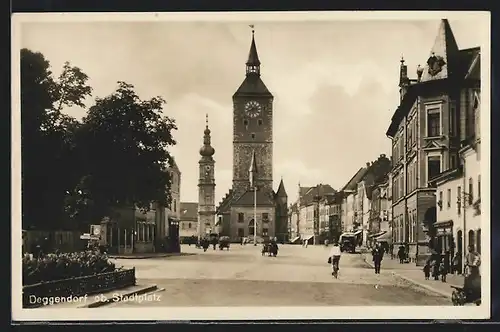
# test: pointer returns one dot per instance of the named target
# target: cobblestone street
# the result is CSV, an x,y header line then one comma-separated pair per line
x,y
297,277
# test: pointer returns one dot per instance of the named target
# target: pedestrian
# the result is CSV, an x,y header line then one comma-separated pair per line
x,y
377,255
427,270
436,262
473,261
401,254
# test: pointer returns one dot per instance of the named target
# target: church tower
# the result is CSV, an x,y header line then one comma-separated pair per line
x,y
252,129
206,186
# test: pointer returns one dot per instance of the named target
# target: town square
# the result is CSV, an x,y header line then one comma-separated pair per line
x,y
251,164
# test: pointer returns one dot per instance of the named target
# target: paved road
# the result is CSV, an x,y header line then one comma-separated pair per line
x,y
297,277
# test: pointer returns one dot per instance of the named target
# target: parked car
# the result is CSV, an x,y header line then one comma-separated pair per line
x,y
224,242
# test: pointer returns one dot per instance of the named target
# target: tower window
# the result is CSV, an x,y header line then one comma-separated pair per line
x,y
260,122
253,136
245,122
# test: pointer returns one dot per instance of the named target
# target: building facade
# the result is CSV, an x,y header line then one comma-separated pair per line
x,y
188,224
206,187
426,139
252,205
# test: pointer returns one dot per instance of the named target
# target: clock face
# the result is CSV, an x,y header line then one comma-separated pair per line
x,y
253,109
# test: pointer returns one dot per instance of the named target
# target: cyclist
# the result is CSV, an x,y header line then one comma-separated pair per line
x,y
335,256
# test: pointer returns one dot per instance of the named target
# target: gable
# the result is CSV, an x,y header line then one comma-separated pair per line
x,y
433,145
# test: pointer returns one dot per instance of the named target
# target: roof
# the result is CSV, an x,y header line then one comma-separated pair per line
x,y
446,176
189,211
225,203
293,208
474,70
353,182
457,65
313,192
173,165
281,190
445,49
247,199
253,86
253,56
377,171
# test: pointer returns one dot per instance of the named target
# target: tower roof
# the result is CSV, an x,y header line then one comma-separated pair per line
x,y
253,56
207,150
281,190
444,54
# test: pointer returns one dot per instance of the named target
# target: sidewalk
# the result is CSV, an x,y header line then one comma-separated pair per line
x,y
101,299
148,255
414,274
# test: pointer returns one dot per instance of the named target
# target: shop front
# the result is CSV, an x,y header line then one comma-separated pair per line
x,y
444,243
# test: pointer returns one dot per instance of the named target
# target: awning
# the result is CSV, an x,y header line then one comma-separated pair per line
x,y
295,239
357,233
386,237
374,235
308,237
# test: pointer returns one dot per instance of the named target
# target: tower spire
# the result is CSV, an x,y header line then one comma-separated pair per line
x,y
253,62
207,150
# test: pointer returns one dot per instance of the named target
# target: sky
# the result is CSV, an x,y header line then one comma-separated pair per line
x,y
335,83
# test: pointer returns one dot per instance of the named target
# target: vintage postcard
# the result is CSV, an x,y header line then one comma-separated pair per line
x,y
283,165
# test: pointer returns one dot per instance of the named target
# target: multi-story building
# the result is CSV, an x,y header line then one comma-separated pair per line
x,y
426,138
348,204
330,216
458,189
379,228
293,221
308,211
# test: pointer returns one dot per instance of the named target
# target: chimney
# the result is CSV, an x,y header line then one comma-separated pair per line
x,y
368,164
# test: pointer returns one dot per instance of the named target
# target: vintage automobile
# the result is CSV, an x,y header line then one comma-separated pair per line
x,y
224,242
348,244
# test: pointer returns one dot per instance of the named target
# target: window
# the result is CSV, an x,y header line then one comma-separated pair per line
x,y
208,198
183,225
440,202
253,136
264,231
459,200
453,161
190,225
433,122
241,217
175,205
410,135
479,186
433,166
259,122
453,121
471,191
448,198
265,217
241,232
245,122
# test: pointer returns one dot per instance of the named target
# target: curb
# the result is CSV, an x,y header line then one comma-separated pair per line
x,y
145,256
140,291
419,284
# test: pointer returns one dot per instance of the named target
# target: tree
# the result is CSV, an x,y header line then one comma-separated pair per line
x,y
123,153
47,144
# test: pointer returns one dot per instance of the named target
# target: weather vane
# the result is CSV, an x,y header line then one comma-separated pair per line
x,y
252,26
206,119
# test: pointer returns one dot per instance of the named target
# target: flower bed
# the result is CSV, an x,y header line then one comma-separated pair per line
x,y
64,266
69,275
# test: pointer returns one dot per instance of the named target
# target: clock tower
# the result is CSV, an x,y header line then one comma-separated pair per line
x,y
252,129
206,186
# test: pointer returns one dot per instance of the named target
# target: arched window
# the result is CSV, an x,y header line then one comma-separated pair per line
x,y
251,227
471,243
459,242
189,225
479,186
471,191
478,245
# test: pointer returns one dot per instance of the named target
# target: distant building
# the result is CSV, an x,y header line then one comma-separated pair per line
x,y
429,135
348,205
329,217
379,226
308,206
188,220
206,187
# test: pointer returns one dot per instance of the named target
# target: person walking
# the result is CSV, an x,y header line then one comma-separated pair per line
x,y
334,257
456,263
377,256
401,254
